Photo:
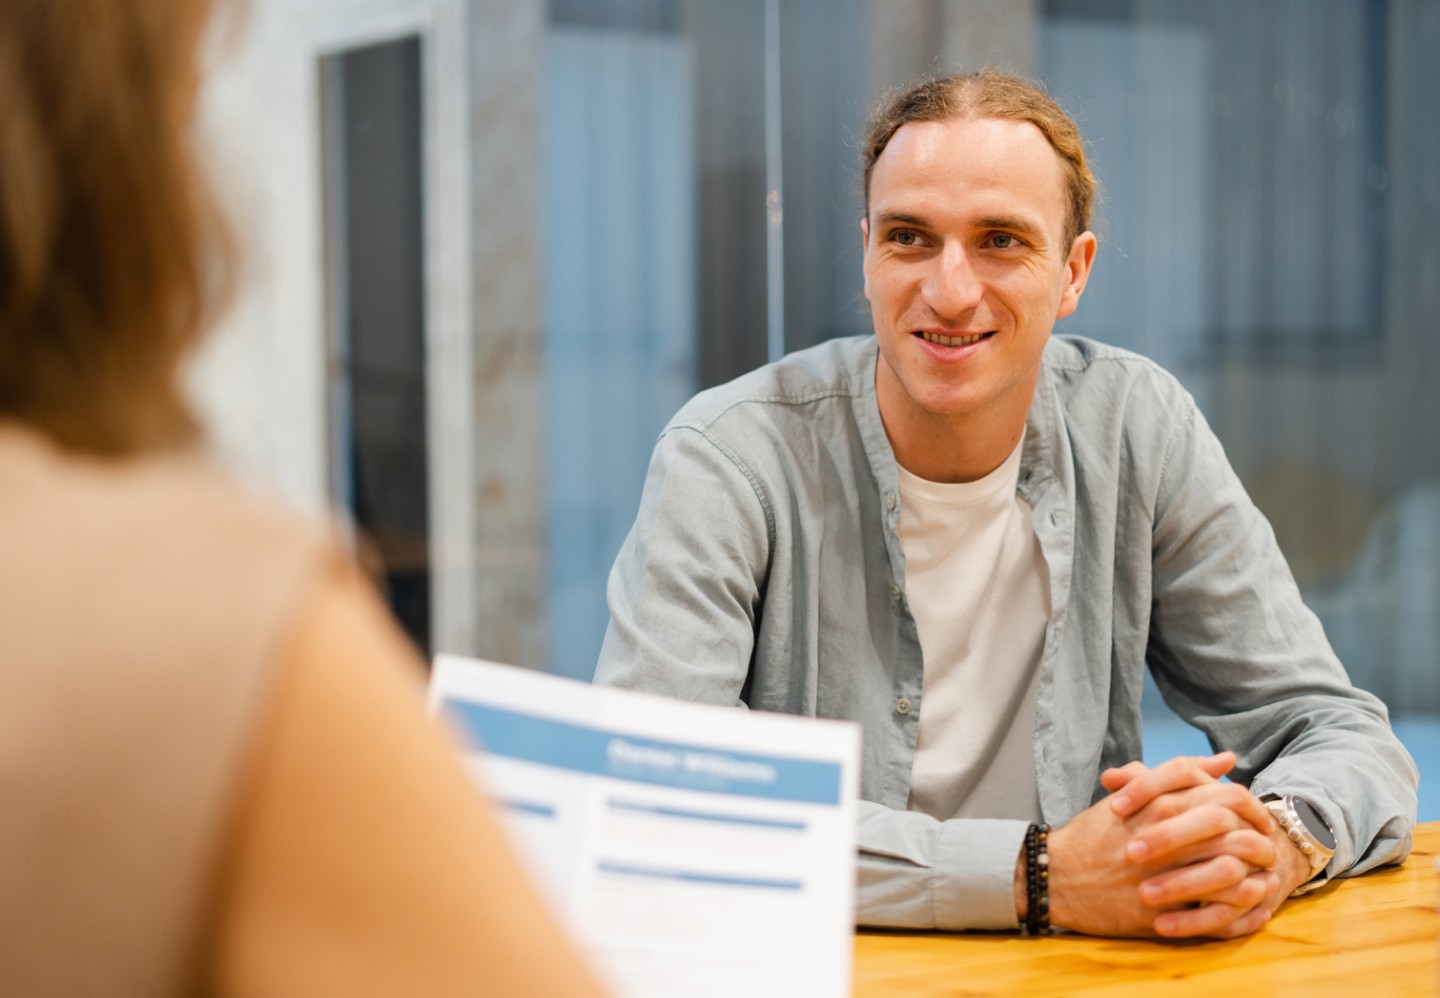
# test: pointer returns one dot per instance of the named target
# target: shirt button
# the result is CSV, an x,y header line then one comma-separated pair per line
x,y
890,502
902,706
895,593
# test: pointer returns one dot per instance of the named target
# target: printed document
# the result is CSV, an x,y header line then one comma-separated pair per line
x,y
692,850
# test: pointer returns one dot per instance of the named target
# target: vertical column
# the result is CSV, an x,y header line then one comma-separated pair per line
x,y
1412,283
729,46
449,306
507,39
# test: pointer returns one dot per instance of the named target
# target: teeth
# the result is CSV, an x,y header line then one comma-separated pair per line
x,y
953,341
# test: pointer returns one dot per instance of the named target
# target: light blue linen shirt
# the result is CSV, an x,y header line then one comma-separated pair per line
x,y
765,570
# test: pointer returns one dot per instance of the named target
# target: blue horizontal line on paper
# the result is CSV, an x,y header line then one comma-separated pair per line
x,y
690,876
527,807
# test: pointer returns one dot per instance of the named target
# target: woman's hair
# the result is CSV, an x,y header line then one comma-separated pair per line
x,y
988,94
112,255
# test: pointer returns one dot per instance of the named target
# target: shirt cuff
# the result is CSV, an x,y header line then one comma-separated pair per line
x,y
976,888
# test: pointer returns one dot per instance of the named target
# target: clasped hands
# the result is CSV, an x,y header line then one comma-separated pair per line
x,y
1172,852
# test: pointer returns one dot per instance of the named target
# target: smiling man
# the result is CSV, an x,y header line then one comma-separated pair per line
x,y
972,537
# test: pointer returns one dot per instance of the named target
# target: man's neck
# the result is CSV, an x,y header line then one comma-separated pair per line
x,y
950,448
946,457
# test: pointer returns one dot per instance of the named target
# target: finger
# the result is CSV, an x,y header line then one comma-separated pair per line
x,y
1161,842
1114,779
1202,920
1173,774
1254,890
1218,763
1223,879
1182,837
1251,922
1210,878
1220,920
1252,848
1240,800
1183,817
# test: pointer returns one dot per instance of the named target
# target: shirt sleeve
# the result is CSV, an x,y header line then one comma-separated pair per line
x,y
687,586
916,872
1236,652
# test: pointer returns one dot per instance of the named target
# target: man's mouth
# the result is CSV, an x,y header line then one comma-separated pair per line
x,y
952,341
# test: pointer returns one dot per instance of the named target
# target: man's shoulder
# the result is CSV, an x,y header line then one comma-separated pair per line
x,y
1082,355
789,387
1082,369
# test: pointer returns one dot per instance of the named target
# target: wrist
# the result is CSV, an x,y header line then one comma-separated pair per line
x,y
1291,865
1310,841
1031,882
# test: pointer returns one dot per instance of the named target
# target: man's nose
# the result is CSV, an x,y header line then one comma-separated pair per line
x,y
952,287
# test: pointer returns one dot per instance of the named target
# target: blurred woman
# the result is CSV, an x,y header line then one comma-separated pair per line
x,y
215,769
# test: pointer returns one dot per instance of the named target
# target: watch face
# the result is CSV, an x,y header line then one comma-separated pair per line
x,y
1312,821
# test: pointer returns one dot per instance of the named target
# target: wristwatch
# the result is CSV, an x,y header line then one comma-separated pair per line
x,y
1306,828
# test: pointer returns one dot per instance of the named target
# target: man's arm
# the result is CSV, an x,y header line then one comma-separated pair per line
x,y
685,589
1235,651
1208,858
916,872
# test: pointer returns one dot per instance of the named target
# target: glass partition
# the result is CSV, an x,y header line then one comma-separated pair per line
x,y
1270,233
374,215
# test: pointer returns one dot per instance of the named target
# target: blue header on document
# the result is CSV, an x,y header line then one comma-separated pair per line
x,y
574,747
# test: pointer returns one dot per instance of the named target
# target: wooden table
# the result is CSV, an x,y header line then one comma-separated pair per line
x,y
1378,934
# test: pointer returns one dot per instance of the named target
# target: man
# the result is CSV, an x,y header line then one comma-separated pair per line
x,y
971,536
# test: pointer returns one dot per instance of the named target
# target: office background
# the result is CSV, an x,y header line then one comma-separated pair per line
x,y
494,244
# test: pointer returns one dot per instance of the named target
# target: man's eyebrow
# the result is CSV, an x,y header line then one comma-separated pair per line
x,y
1010,223
889,217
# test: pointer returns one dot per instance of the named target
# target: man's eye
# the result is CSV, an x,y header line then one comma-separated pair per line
x,y
906,238
1001,240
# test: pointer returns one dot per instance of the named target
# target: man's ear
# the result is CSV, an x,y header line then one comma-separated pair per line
x,y
1077,272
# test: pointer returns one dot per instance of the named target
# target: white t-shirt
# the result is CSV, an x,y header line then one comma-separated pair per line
x,y
978,587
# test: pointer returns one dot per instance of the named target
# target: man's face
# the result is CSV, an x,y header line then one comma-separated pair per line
x,y
965,268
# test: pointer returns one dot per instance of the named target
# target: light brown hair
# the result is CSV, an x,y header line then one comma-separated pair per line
x,y
988,94
112,256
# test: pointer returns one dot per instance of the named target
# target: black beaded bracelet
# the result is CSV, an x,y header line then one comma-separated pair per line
x,y
1037,880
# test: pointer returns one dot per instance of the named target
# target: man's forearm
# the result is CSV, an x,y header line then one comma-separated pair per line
x,y
916,872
